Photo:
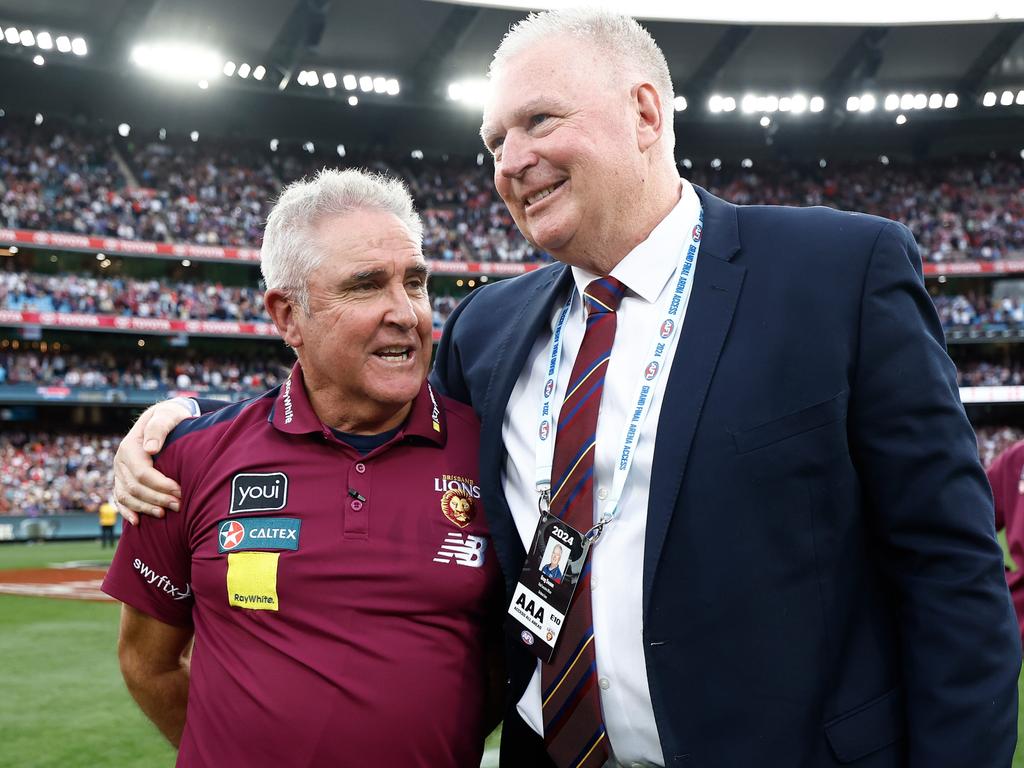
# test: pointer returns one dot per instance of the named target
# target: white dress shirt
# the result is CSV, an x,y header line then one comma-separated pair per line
x,y
617,570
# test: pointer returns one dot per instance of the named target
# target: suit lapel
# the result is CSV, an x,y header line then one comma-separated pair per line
x,y
528,323
716,289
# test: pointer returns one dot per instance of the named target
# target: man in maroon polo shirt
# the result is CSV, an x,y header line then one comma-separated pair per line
x,y
330,557
1006,476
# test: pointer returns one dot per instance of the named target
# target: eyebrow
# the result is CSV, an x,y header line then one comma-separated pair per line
x,y
420,270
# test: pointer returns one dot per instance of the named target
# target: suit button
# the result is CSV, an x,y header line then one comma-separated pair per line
x,y
602,493
605,683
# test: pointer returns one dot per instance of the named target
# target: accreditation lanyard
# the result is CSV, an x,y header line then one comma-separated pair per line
x,y
663,342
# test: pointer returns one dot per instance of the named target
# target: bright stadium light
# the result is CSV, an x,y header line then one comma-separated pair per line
x,y
63,44
175,61
892,102
259,73
350,82
308,146
194,136
380,85
274,144
901,119
229,68
1020,98
818,104
27,38
38,60
920,101
78,47
203,84
341,150
44,41
746,163
11,35
935,101
951,101
989,100
393,87
312,78
39,118
785,104
868,102
716,163
748,104
243,70
799,103
907,101
1006,99
472,93
353,101
330,80
728,104
366,83
765,121
679,103
123,130
417,154
302,78
687,163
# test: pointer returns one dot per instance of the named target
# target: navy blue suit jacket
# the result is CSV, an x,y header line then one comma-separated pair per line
x,y
822,584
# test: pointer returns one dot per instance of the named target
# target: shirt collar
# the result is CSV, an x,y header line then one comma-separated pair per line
x,y
647,268
293,413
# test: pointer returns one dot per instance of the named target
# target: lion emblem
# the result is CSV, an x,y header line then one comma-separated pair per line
x,y
457,507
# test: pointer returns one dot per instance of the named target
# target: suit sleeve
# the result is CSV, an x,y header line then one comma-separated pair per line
x,y
930,508
447,375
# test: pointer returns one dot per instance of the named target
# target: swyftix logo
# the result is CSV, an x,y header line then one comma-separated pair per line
x,y
258,492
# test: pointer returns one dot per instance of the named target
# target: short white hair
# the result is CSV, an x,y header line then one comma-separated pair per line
x,y
614,34
291,248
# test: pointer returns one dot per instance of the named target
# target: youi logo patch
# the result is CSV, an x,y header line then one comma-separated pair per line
x,y
258,492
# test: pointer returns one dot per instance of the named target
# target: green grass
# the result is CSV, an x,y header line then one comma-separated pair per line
x,y
63,704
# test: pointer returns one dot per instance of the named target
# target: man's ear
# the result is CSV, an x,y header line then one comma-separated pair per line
x,y
283,310
650,121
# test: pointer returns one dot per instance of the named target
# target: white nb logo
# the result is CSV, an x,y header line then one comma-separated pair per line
x,y
468,550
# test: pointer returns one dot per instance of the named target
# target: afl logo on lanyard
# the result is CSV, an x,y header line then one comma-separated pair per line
x,y
652,370
666,329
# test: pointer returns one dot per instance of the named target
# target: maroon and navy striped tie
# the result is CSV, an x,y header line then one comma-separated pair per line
x,y
573,726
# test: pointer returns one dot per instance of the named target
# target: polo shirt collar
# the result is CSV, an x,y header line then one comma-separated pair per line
x,y
293,413
647,268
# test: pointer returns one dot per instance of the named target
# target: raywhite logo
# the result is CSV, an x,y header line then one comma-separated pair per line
x,y
154,579
258,492
466,550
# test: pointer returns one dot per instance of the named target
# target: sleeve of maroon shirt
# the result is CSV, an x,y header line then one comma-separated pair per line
x,y
152,567
998,475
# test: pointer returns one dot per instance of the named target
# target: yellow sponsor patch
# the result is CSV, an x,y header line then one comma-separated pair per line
x,y
252,580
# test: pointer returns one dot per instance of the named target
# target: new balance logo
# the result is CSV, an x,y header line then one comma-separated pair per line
x,y
465,550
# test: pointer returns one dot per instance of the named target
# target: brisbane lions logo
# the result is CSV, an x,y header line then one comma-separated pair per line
x,y
457,506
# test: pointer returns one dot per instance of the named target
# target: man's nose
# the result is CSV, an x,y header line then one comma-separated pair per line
x,y
400,309
516,154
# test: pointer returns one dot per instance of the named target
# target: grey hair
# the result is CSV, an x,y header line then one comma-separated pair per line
x,y
614,34
291,249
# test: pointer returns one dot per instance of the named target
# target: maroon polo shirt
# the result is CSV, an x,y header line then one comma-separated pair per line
x,y
1006,475
338,600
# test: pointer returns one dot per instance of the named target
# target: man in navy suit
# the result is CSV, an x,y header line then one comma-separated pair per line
x,y
820,582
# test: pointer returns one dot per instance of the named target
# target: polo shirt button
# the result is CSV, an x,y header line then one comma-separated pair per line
x,y
356,504
360,468
602,493
605,683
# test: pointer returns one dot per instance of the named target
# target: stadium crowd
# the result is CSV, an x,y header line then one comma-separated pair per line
x,y
64,178
985,374
107,370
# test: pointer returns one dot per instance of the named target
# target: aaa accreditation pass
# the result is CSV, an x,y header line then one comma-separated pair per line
x,y
548,580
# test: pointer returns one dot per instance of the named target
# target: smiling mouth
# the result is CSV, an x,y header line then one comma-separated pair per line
x,y
537,197
394,354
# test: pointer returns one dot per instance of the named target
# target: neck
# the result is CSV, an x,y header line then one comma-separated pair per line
x,y
362,418
664,191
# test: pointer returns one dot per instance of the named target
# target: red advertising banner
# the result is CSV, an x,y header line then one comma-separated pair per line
x,y
113,246
144,325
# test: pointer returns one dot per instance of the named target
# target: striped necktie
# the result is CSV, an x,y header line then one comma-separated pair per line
x,y
573,727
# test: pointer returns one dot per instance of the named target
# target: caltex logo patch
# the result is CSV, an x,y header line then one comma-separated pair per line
x,y
232,534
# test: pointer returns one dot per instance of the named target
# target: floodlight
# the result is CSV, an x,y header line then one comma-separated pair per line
x,y
479,158
27,38
259,72
12,36
353,101
243,70
417,154
920,101
901,119
341,150
728,104
1006,99
44,41
935,101
163,134
349,81
380,85
892,102
822,163
679,103
312,78
274,144
771,104
907,101
748,105
868,102
366,83
393,88
853,104
204,84
188,63
308,146
715,103
123,130
194,135
38,60
747,162
229,68
63,44
989,100
1020,97
765,121
39,118
330,81
78,47
716,163
951,101
818,103
883,159
799,103
687,163
473,93
785,104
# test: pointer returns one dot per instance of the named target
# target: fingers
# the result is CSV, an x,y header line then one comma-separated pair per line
x,y
139,489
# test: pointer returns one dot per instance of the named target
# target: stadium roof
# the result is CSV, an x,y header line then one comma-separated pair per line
x,y
426,46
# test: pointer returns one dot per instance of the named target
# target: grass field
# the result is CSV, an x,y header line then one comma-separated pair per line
x,y
62,702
